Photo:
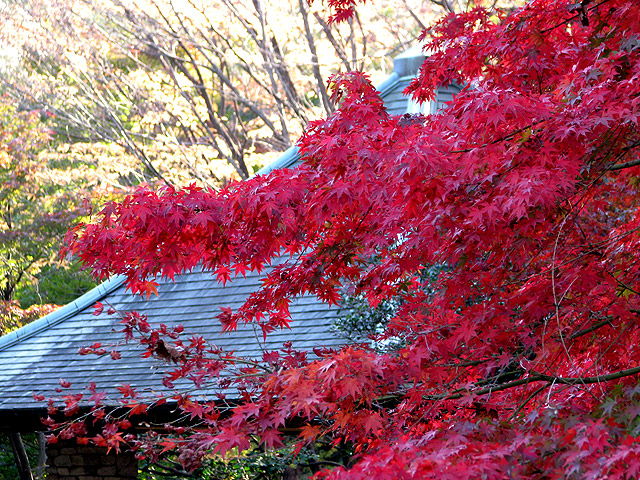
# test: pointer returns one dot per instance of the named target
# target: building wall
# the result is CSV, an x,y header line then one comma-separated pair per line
x,y
69,461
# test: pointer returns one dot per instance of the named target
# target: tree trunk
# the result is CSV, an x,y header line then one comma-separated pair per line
x,y
291,473
42,456
20,454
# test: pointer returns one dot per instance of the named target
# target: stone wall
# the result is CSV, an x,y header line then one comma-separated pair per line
x,y
67,460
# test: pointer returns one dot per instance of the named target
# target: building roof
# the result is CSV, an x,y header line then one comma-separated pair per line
x,y
35,357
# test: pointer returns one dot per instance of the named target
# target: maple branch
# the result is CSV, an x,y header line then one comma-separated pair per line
x,y
245,361
581,12
592,328
624,285
421,25
470,363
528,399
614,342
508,136
597,379
621,166
590,249
540,377
445,4
488,390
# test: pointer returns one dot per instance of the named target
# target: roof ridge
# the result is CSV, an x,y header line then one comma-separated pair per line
x,y
57,316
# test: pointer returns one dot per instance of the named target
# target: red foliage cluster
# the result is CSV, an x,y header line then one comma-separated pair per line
x,y
12,316
521,359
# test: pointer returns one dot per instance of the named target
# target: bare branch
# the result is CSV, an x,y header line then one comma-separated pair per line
x,y
414,16
314,58
326,28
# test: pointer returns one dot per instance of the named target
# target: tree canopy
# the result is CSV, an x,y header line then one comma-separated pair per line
x,y
519,359
202,90
41,198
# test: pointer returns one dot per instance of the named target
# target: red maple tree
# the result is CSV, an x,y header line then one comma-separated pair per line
x,y
521,359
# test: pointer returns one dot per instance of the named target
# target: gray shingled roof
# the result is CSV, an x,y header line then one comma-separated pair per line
x,y
36,357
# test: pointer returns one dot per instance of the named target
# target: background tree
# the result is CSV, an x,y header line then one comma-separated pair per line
x,y
44,191
189,89
34,216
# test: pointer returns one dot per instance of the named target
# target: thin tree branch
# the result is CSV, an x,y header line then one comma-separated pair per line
x,y
421,25
328,107
621,166
326,28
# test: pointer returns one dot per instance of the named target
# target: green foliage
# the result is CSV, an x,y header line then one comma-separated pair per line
x,y
256,463
8,470
27,220
265,464
365,324
58,283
